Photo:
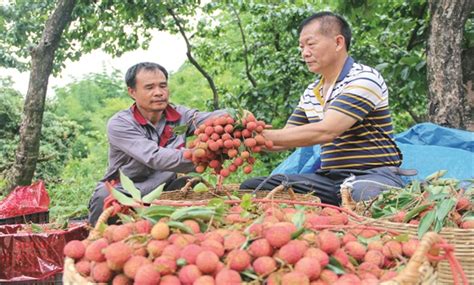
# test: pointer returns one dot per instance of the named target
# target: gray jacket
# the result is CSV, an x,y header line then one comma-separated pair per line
x,y
147,154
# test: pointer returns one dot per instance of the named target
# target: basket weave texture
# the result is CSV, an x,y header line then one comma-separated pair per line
x,y
461,239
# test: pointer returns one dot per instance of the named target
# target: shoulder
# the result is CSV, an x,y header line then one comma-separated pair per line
x,y
363,74
120,118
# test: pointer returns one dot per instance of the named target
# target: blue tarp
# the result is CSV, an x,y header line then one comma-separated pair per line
x,y
426,147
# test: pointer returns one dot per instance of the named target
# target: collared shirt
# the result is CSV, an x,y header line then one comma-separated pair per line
x,y
151,155
359,92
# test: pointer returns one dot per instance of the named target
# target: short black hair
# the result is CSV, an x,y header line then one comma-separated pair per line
x,y
131,75
328,20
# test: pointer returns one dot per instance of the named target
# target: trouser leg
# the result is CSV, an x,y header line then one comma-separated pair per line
x,y
323,187
96,203
364,187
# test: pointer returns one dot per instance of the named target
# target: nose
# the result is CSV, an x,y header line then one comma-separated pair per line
x,y
305,52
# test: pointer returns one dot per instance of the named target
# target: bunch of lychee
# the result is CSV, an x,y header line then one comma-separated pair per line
x,y
268,249
223,139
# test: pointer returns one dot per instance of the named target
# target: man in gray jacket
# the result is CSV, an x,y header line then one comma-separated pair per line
x,y
142,143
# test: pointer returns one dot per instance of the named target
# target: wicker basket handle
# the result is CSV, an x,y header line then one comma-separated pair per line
x,y
281,188
411,273
94,233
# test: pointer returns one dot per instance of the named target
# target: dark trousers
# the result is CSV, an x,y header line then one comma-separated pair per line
x,y
325,184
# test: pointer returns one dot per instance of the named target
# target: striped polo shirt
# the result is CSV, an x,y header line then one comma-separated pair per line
x,y
359,92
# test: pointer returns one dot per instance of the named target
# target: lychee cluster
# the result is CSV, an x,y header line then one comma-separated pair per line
x,y
265,246
223,139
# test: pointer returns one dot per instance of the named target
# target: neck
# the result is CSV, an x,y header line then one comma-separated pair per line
x,y
152,117
331,74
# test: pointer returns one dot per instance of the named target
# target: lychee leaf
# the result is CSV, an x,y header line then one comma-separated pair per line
x,y
298,219
426,222
153,195
335,266
414,212
122,198
180,130
444,208
180,226
200,188
250,274
402,238
124,218
128,185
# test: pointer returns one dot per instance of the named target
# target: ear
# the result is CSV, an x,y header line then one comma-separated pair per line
x,y
340,43
131,92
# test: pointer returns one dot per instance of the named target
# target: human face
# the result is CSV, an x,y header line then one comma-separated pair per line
x,y
151,92
318,50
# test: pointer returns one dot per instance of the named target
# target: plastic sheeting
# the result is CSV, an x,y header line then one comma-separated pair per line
x,y
426,147
24,200
27,256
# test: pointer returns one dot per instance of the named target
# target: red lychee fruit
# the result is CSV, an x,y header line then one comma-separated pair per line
x,y
207,261
309,266
320,255
388,275
204,280
374,256
375,245
214,236
165,265
75,249
327,211
190,252
339,219
121,232
290,253
409,247
399,217
143,227
328,241
347,279
117,254
228,276
83,267
172,250
160,231
264,265
108,233
392,249
214,246
94,250
101,272
260,247
170,280
328,276
121,279
238,260
147,275
131,266
234,240
341,256
155,247
295,277
189,273
182,240
347,238
355,249
469,224
369,267
193,225
463,204
277,236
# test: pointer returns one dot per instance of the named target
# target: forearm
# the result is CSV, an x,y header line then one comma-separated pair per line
x,y
306,135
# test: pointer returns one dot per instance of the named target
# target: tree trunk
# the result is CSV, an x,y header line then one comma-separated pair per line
x,y
42,58
448,98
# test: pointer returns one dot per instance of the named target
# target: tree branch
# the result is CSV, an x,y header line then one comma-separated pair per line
x,y
193,60
244,43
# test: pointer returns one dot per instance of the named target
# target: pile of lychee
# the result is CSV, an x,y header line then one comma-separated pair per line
x,y
223,139
285,245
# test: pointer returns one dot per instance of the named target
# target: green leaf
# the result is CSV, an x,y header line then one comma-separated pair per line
x,y
122,198
414,212
335,266
153,195
125,218
180,226
444,208
36,228
425,223
298,219
246,203
436,175
180,130
402,238
128,185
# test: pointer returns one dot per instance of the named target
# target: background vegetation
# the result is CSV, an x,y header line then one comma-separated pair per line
x,y
251,52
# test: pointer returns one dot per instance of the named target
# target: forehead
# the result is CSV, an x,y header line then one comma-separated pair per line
x,y
311,30
145,76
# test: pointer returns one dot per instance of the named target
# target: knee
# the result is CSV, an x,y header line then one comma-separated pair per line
x,y
96,204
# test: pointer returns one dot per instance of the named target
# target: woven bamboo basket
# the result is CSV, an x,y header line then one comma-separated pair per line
x,y
461,239
418,270
281,192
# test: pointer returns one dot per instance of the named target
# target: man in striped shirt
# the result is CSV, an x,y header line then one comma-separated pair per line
x,y
345,111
